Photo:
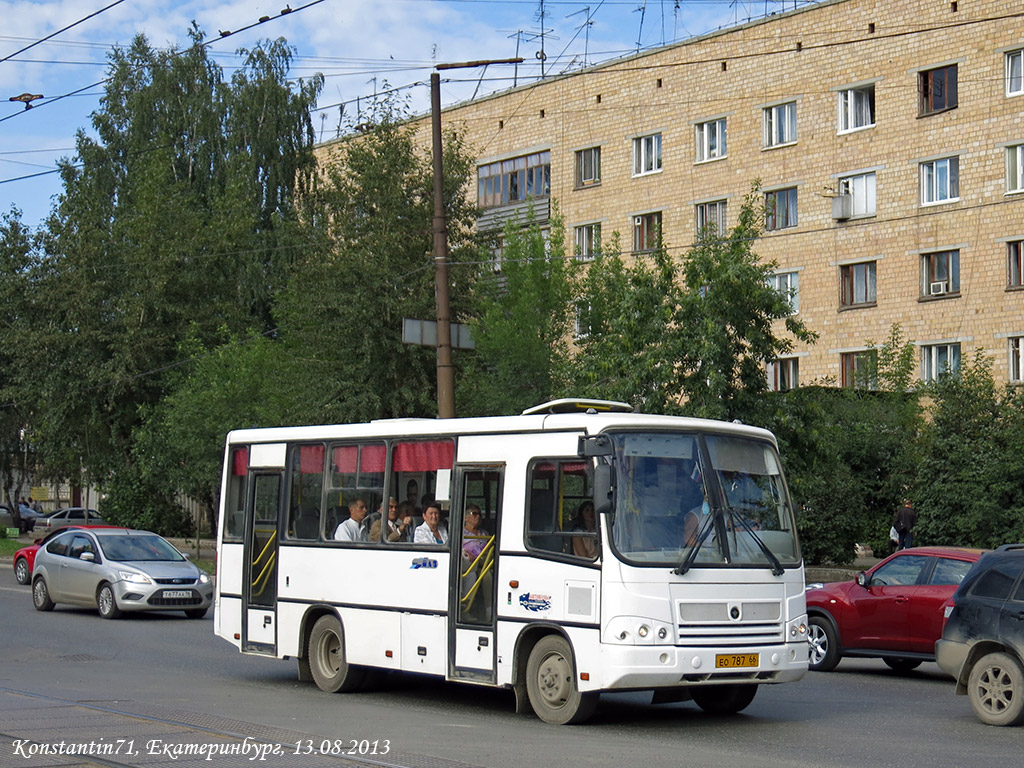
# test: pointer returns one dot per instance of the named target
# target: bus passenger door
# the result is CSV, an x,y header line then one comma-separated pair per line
x,y
259,630
473,572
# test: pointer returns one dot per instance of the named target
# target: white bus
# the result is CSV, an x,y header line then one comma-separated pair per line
x,y
687,582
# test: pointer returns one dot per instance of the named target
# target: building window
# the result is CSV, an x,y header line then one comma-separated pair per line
x,y
581,325
780,124
940,273
937,359
856,108
780,209
857,284
860,369
711,217
1015,168
861,189
784,374
1015,73
647,154
1017,359
711,140
588,241
936,89
588,167
940,181
1015,264
788,285
646,232
514,180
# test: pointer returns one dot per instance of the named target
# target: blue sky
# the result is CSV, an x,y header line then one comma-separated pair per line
x,y
359,45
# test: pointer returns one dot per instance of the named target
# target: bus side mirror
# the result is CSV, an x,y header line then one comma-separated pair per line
x,y
603,483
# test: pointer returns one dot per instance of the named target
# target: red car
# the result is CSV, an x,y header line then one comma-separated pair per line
x,y
894,611
25,558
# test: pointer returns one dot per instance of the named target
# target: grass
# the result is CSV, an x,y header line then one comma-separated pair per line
x,y
9,546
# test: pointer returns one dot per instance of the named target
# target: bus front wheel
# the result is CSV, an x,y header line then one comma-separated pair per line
x,y
326,654
551,684
725,699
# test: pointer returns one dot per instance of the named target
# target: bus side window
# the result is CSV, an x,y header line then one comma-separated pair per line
x,y
234,504
557,490
307,484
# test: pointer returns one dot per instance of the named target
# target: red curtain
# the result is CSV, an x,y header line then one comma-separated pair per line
x,y
373,458
311,459
345,458
424,457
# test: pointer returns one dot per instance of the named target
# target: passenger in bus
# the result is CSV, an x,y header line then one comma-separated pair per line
x,y
474,537
412,492
399,523
431,531
476,606
585,522
352,529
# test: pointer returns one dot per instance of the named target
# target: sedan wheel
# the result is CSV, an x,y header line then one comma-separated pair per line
x,y
106,603
21,571
996,689
41,595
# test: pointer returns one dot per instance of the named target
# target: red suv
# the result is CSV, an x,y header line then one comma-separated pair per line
x,y
894,611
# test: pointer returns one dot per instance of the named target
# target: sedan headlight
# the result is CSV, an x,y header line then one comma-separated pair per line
x,y
204,577
134,578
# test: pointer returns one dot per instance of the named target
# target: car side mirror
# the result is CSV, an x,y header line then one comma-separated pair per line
x,y
862,579
89,557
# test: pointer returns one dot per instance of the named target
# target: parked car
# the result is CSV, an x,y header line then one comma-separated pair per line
x,y
894,611
70,516
118,570
982,644
29,518
25,558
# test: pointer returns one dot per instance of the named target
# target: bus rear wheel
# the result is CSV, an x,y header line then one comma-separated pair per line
x,y
326,654
725,699
551,684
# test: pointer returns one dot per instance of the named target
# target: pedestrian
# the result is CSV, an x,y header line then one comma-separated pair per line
x,y
904,521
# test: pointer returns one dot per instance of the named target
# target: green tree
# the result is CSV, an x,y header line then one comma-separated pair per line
x,y
341,315
521,324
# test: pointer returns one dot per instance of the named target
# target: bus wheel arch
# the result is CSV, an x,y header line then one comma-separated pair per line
x,y
546,668
325,655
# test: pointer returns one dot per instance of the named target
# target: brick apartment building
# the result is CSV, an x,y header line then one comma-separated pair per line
x,y
887,137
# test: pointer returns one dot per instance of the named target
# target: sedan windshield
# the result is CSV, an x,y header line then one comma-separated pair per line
x,y
145,547
689,500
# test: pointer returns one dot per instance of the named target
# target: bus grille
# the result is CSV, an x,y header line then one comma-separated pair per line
x,y
730,624
729,635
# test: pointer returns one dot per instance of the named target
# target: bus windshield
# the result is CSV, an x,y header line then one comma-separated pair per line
x,y
693,500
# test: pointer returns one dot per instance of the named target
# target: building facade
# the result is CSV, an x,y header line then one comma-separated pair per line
x,y
888,140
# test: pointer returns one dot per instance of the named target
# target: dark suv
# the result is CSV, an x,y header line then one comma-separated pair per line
x,y
982,644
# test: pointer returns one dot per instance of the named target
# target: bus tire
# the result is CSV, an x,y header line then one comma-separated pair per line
x,y
326,654
724,699
551,683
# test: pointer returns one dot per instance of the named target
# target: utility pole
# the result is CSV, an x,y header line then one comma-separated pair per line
x,y
445,371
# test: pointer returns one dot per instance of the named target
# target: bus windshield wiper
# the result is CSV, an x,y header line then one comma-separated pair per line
x,y
702,534
777,569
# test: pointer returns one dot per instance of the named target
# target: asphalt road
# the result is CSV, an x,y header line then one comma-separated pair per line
x,y
71,674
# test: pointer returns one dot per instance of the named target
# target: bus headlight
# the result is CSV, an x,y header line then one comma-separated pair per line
x,y
798,630
634,630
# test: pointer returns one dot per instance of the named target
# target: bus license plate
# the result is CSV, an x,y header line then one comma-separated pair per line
x,y
173,593
734,660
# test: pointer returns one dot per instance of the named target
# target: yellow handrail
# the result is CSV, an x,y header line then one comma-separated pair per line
x,y
487,555
262,578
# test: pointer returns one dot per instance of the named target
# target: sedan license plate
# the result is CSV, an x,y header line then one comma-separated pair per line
x,y
736,660
173,593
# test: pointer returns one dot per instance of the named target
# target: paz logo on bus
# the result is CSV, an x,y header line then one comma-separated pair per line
x,y
534,602
423,562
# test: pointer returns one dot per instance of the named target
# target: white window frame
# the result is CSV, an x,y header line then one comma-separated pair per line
x,y
862,187
1015,345
949,274
711,137
588,240
788,285
850,106
712,212
784,374
647,154
1015,169
940,180
1015,264
937,358
780,125
1015,72
583,179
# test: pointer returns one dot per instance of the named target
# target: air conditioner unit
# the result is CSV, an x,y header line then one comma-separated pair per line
x,y
937,288
842,207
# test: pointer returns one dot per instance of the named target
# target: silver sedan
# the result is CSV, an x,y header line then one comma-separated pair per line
x,y
118,570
